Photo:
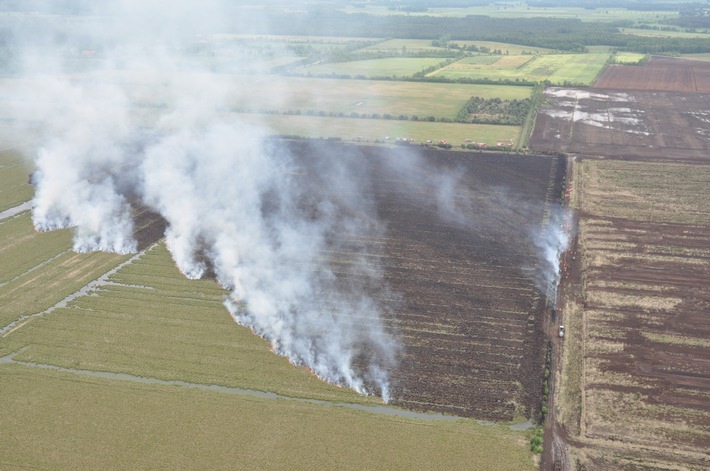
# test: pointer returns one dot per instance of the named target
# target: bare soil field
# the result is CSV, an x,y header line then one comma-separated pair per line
x,y
659,74
636,305
637,125
469,312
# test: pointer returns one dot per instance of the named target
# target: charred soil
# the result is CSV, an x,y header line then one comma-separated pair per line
x,y
460,271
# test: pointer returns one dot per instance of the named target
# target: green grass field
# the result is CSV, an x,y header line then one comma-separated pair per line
x,y
580,69
628,58
14,170
506,48
481,60
23,248
302,94
156,323
368,96
39,269
398,45
391,67
377,129
418,45
57,420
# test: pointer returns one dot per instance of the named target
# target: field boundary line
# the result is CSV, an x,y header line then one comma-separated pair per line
x,y
92,285
15,210
377,409
30,270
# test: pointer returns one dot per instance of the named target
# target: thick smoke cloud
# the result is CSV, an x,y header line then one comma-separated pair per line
x,y
238,206
143,125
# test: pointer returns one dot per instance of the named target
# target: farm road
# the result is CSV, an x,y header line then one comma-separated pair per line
x,y
8,213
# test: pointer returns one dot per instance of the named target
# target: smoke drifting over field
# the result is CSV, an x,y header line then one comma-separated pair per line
x,y
236,204
552,241
288,235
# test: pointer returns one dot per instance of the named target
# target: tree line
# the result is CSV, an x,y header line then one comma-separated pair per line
x,y
560,34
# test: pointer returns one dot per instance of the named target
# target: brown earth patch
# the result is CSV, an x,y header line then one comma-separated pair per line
x,y
658,74
636,125
645,392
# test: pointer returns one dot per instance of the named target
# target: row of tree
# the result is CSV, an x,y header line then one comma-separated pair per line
x,y
562,34
494,111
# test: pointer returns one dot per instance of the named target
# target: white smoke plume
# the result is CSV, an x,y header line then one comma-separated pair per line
x,y
237,205
552,240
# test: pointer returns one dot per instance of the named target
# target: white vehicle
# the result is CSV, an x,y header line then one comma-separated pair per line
x,y
562,331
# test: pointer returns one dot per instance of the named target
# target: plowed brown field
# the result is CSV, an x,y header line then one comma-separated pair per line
x,y
659,74
630,125
638,315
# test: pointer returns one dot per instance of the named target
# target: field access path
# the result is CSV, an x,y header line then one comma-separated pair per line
x,y
555,455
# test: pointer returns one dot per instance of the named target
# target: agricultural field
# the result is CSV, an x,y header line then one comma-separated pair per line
x,y
635,388
485,304
380,97
624,124
278,94
659,74
581,69
390,67
124,342
187,335
472,311
311,104
55,419
399,45
698,57
506,48
652,33
629,58
388,130
584,14
91,342
14,169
